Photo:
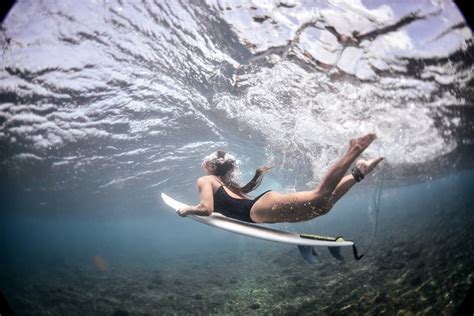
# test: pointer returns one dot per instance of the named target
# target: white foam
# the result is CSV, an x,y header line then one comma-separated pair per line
x,y
317,118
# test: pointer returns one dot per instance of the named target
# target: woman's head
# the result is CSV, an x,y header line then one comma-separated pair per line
x,y
220,164
226,167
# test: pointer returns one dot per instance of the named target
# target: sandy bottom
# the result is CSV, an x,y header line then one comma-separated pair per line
x,y
426,272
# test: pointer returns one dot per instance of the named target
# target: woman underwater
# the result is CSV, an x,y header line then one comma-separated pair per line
x,y
220,193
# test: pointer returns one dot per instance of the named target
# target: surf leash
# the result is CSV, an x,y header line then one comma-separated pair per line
x,y
376,207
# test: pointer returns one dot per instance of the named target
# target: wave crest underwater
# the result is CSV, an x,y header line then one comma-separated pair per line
x,y
112,97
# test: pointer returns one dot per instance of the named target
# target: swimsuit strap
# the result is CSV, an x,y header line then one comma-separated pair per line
x,y
217,178
223,185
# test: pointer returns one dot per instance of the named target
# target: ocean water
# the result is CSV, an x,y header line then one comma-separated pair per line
x,y
106,104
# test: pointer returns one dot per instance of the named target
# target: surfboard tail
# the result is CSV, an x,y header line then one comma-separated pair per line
x,y
311,256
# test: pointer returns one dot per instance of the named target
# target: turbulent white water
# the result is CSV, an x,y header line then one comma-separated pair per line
x,y
112,95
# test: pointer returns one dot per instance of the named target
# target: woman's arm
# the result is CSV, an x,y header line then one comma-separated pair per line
x,y
256,180
206,205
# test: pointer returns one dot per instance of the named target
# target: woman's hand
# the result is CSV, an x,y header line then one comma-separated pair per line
x,y
183,212
264,169
192,210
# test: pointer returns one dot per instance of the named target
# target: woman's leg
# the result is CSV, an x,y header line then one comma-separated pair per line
x,y
301,206
365,166
339,169
342,188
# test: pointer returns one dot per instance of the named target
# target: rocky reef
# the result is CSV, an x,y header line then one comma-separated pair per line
x,y
419,269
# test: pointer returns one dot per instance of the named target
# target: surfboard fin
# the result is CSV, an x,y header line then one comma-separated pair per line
x,y
336,253
308,253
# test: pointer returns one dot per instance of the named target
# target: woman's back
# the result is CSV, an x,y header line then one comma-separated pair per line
x,y
234,207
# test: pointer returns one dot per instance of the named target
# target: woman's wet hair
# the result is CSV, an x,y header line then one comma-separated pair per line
x,y
227,169
225,164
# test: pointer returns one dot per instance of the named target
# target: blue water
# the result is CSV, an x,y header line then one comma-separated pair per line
x,y
430,220
103,106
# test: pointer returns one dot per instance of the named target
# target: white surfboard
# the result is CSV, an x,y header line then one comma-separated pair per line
x,y
305,242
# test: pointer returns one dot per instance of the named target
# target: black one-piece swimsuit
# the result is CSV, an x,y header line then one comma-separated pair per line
x,y
232,207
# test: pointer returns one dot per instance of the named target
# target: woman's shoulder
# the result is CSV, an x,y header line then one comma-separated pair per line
x,y
207,179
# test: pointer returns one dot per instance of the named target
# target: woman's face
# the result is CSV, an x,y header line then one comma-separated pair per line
x,y
208,167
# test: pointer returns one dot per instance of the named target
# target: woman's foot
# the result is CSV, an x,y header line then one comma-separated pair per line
x,y
366,166
358,145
